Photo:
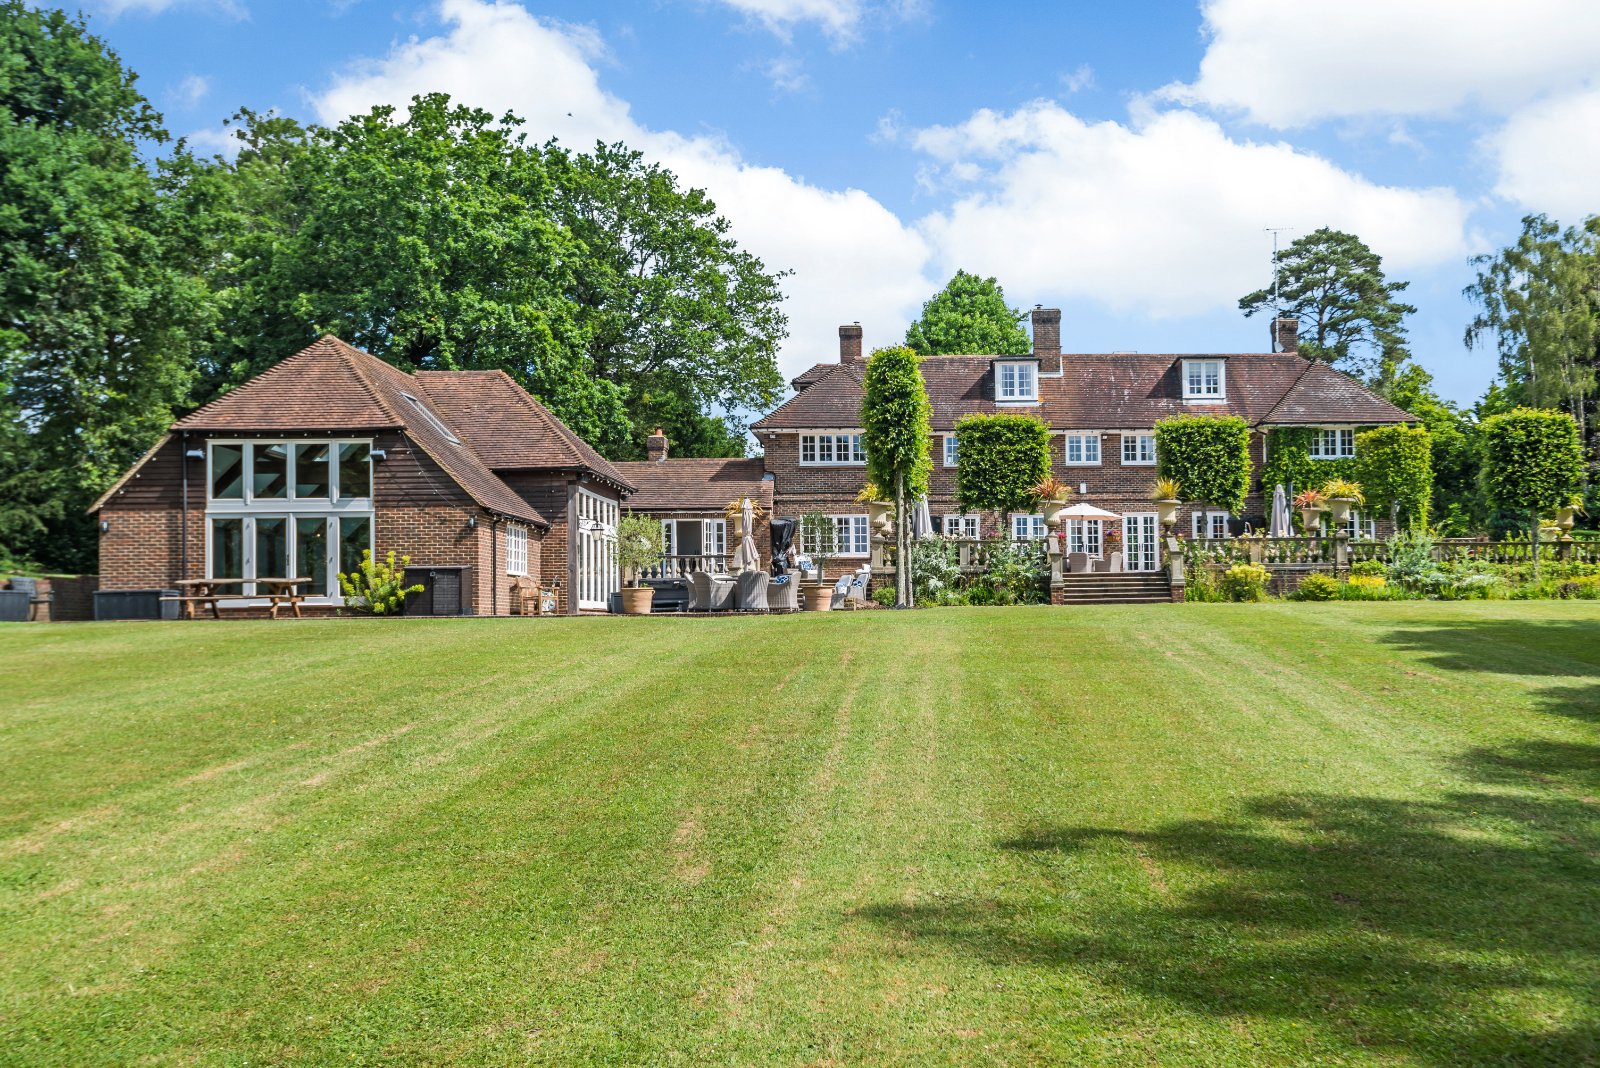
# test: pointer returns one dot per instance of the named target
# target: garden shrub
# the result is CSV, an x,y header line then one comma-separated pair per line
x,y
1016,574
935,572
1209,455
1201,586
884,595
1368,567
1000,458
378,587
1532,462
1395,468
1411,562
1245,582
1582,589
1317,586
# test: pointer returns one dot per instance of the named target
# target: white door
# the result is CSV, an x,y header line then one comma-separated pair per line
x,y
1139,544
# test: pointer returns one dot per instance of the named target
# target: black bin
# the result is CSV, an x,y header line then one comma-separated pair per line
x,y
445,591
135,604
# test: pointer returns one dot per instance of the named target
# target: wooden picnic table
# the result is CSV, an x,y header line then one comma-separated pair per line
x,y
277,591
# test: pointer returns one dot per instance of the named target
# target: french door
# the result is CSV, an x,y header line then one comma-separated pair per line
x,y
1139,544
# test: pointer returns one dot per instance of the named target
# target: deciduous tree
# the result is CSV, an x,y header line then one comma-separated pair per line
x,y
1209,455
1532,461
895,434
969,316
1000,458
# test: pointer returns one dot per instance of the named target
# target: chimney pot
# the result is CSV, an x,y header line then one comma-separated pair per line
x,y
850,343
1047,338
655,446
1286,335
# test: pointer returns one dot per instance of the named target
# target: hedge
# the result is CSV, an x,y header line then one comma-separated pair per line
x,y
999,459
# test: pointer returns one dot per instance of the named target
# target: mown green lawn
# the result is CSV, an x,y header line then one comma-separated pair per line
x,y
1141,835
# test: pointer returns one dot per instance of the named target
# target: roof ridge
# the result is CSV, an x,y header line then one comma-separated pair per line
x,y
835,370
345,351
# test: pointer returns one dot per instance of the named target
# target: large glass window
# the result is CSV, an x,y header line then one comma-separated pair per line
x,y
1138,450
311,471
1083,536
311,553
355,535
831,449
227,472
1028,527
272,547
227,548
355,470
269,470
1017,382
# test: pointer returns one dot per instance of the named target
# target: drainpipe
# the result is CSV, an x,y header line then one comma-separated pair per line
x,y
183,524
494,566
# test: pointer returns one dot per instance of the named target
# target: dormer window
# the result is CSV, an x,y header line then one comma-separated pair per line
x,y
1204,380
1016,381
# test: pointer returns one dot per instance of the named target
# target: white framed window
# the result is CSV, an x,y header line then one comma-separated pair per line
x,y
1016,381
1082,448
850,537
695,537
287,508
1027,527
598,574
961,526
949,450
836,450
1138,450
1359,525
1209,524
1083,536
1204,380
1333,443
516,550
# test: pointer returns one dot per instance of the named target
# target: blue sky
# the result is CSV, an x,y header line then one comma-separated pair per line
x,y
1117,160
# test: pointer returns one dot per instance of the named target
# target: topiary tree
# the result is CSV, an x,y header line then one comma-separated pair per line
x,y
894,436
1394,465
999,460
641,545
1209,455
1532,460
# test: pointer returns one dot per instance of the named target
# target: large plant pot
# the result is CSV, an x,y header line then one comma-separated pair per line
x,y
1565,518
1311,520
878,513
819,597
1340,507
1051,510
636,600
1167,512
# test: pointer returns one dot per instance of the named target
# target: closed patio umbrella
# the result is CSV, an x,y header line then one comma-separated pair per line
x,y
921,520
782,538
747,558
1280,513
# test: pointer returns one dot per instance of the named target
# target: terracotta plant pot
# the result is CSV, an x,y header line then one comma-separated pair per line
x,y
819,597
636,600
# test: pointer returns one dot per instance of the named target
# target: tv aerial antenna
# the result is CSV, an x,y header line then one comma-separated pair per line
x,y
1277,305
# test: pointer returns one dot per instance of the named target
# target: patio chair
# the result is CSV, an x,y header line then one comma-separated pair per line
x,y
841,590
1077,563
1114,562
783,594
751,595
858,588
699,592
723,590
1099,567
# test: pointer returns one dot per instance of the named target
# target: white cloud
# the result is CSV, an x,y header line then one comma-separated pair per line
x,y
852,258
230,8
192,90
1162,217
838,18
788,75
1290,64
1549,156
1078,80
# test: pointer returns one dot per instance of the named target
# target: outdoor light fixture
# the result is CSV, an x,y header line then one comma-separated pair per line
x,y
472,522
195,454
105,526
378,454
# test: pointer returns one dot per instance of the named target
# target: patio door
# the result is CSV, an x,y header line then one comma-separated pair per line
x,y
596,548
1139,542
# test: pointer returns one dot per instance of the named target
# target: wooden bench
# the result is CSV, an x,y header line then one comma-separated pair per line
x,y
202,592
280,592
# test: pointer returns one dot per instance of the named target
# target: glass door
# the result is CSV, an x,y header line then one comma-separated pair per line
x,y
1139,533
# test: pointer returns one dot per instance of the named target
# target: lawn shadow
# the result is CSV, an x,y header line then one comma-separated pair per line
x,y
1545,649
1460,931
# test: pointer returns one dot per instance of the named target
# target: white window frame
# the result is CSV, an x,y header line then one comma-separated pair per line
x,y
823,450
1028,527
249,508
516,550
950,456
1341,439
1143,449
713,535
1016,382
1141,529
1359,525
1086,536
1197,384
962,526
1085,441
1211,525
851,537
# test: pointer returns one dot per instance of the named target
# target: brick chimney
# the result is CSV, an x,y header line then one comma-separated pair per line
x,y
1047,338
850,343
655,446
1286,335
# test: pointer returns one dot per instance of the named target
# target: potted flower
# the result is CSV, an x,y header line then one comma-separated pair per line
x,y
1164,492
1053,495
819,537
1311,504
880,510
639,547
1342,495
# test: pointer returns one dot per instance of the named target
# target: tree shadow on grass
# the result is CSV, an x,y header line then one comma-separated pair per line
x,y
1544,649
1461,931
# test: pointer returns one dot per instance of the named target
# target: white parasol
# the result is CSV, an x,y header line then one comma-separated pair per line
x,y
1088,511
1280,513
747,558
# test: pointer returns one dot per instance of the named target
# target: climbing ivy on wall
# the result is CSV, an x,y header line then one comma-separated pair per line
x,y
1289,462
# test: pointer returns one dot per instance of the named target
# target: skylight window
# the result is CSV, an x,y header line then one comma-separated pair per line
x,y
433,420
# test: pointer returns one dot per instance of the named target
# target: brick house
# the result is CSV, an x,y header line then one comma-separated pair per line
x,y
1101,410
333,451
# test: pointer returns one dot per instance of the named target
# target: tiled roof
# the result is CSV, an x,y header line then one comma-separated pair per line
x,y
316,389
690,485
809,375
508,428
1107,391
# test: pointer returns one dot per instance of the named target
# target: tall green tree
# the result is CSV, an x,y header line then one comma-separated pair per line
x,y
1350,313
969,316
1209,455
1395,469
1532,462
678,317
1456,501
1539,300
895,435
100,308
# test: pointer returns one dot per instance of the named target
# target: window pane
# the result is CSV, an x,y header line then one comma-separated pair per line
x,y
808,448
825,448
270,476
227,548
227,472
1025,379
355,470
1091,448
355,535
311,470
272,548
311,553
